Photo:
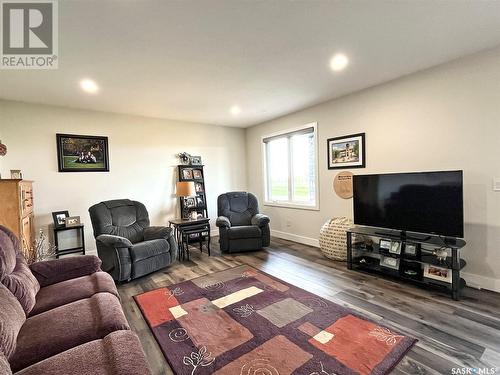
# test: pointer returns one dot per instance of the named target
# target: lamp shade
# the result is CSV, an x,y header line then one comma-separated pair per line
x,y
185,189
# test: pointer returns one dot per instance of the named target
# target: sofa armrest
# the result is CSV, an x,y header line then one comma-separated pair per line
x,y
260,220
114,241
54,271
223,221
156,233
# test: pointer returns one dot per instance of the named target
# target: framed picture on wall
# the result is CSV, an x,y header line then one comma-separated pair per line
x,y
82,153
347,151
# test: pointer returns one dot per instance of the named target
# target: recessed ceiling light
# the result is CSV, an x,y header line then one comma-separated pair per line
x,y
89,86
235,110
338,62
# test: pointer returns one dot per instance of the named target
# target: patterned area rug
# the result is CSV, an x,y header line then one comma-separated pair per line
x,y
245,322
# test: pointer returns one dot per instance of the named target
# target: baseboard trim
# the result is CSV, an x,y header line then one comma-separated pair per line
x,y
481,282
295,237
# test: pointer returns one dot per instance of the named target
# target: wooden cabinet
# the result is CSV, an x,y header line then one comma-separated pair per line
x,y
16,211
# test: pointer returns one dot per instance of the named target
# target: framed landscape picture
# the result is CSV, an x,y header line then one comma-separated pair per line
x,y
82,153
346,152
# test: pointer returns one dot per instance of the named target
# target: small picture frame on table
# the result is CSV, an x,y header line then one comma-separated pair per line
x,y
395,247
389,262
412,250
438,273
59,218
72,221
384,244
16,174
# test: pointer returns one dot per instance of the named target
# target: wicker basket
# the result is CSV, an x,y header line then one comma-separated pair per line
x,y
333,238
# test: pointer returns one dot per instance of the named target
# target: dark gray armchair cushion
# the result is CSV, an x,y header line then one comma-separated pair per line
x,y
244,231
148,249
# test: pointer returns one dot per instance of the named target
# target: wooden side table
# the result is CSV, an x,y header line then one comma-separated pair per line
x,y
72,250
184,228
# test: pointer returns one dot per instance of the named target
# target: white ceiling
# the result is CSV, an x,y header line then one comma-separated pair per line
x,y
192,60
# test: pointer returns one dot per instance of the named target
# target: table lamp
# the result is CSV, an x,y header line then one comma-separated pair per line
x,y
185,189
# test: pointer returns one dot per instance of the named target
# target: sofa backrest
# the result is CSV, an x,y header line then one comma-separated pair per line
x,y
120,217
14,271
238,206
11,319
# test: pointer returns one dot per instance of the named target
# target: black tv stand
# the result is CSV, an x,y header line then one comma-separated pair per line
x,y
403,236
450,241
420,260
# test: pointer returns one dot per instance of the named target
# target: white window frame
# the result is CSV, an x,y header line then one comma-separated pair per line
x,y
288,204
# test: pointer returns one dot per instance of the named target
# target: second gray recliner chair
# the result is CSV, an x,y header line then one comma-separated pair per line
x,y
241,226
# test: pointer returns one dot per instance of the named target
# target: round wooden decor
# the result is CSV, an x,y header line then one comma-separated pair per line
x,y
3,149
342,184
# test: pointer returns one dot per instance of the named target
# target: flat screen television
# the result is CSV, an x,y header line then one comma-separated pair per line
x,y
424,202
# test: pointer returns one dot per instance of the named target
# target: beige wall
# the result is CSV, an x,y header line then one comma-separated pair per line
x,y
444,118
142,159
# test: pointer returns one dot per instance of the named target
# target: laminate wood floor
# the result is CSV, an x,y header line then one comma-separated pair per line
x,y
451,334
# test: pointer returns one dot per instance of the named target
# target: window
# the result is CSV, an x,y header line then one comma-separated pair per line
x,y
291,168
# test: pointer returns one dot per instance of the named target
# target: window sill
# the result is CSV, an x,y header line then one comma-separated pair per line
x,y
292,205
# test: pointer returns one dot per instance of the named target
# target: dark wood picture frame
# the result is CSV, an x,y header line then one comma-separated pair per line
x,y
347,164
197,174
199,187
100,166
55,215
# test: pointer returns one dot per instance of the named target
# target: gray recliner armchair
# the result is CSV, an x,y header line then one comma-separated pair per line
x,y
127,245
241,226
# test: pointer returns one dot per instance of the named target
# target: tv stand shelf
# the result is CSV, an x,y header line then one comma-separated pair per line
x,y
427,260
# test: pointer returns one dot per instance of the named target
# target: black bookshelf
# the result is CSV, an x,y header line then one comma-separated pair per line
x,y
198,203
415,259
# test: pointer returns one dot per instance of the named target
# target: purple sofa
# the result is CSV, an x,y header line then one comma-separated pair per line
x,y
62,317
